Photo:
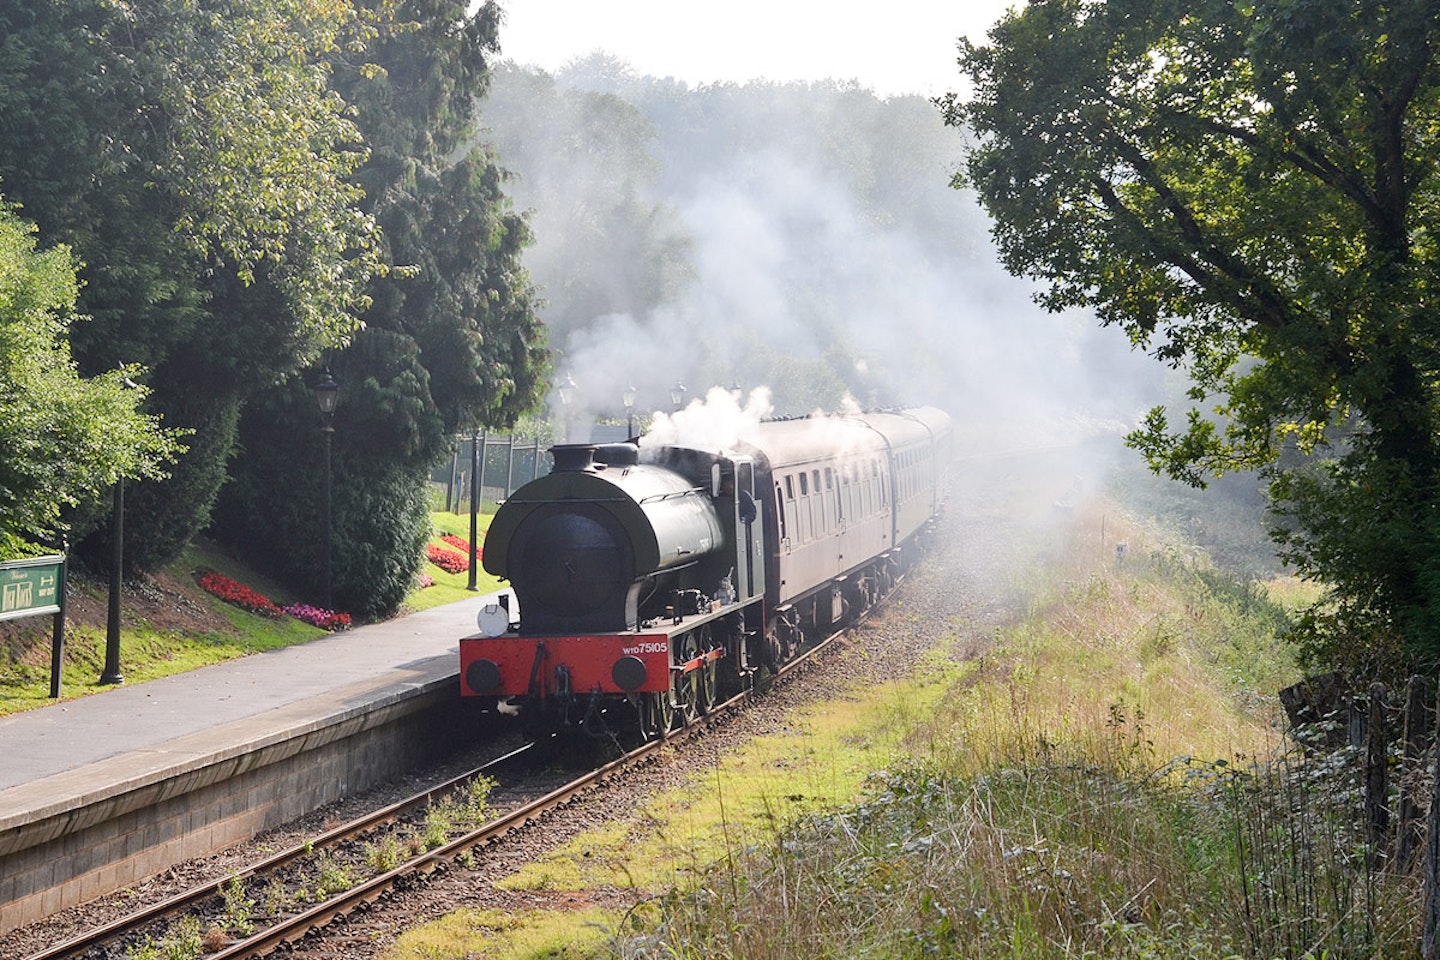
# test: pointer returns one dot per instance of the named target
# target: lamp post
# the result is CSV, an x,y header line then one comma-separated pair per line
x,y
567,397
627,397
677,395
477,466
111,671
327,394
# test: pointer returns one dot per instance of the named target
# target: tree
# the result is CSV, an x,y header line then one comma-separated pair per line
x,y
64,439
450,336
196,159
1248,190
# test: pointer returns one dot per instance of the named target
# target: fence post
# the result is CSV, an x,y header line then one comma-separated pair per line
x,y
1377,814
484,457
450,481
1430,878
510,465
1408,830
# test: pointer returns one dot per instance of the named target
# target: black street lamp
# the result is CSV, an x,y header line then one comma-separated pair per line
x,y
327,394
477,467
677,395
111,671
567,397
627,397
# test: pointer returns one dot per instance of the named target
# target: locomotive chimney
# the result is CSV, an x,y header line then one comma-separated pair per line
x,y
573,457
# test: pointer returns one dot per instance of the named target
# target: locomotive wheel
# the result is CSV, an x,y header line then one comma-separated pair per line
x,y
657,715
772,653
702,682
694,691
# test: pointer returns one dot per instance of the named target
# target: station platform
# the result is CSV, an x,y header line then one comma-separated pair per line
x,y
120,784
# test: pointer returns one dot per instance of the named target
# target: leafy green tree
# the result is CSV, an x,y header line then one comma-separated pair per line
x,y
64,439
450,339
1248,190
196,159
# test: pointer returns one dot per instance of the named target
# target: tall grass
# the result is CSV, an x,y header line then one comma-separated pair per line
x,y
1108,782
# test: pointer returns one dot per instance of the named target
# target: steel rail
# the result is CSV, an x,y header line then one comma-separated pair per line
x,y
189,898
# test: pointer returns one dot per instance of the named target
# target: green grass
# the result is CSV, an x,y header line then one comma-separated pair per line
x,y
562,934
1105,782
147,652
450,587
1077,790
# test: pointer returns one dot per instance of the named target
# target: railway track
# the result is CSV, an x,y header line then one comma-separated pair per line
x,y
131,934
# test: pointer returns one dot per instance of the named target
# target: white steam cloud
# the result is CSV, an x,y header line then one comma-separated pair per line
x,y
720,421
804,274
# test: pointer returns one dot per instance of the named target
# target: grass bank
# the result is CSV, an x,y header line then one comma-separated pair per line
x,y
1106,780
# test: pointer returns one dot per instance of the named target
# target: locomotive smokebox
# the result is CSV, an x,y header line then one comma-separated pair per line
x,y
583,546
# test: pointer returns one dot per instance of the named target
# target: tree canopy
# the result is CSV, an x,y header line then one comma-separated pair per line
x,y
237,180
198,162
450,341
1249,190
64,439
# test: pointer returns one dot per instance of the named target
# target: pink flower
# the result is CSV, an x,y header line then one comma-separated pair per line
x,y
316,616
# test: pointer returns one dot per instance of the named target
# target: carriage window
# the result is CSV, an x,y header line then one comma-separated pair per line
x,y
780,507
804,486
790,488
829,479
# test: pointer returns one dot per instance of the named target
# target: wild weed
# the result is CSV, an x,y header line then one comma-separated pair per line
x,y
238,907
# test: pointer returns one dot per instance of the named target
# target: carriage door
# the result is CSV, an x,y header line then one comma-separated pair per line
x,y
749,536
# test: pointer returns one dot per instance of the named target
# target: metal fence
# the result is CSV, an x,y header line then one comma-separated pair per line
x,y
503,462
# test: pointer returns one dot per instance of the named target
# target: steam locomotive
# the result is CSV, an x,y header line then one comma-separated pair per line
x,y
649,578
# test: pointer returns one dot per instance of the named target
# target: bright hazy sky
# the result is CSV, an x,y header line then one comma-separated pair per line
x,y
892,47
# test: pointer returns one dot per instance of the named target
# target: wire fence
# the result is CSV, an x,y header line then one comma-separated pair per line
x,y
1392,736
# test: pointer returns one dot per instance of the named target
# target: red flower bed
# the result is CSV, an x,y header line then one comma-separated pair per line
x,y
237,593
447,560
461,544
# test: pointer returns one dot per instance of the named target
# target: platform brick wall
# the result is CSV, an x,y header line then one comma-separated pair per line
x,y
108,844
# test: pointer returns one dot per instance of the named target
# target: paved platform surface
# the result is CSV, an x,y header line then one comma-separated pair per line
x,y
179,719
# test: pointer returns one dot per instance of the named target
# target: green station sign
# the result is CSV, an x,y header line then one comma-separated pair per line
x,y
31,587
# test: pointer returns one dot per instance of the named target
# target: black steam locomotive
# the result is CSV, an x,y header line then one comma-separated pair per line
x,y
648,578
